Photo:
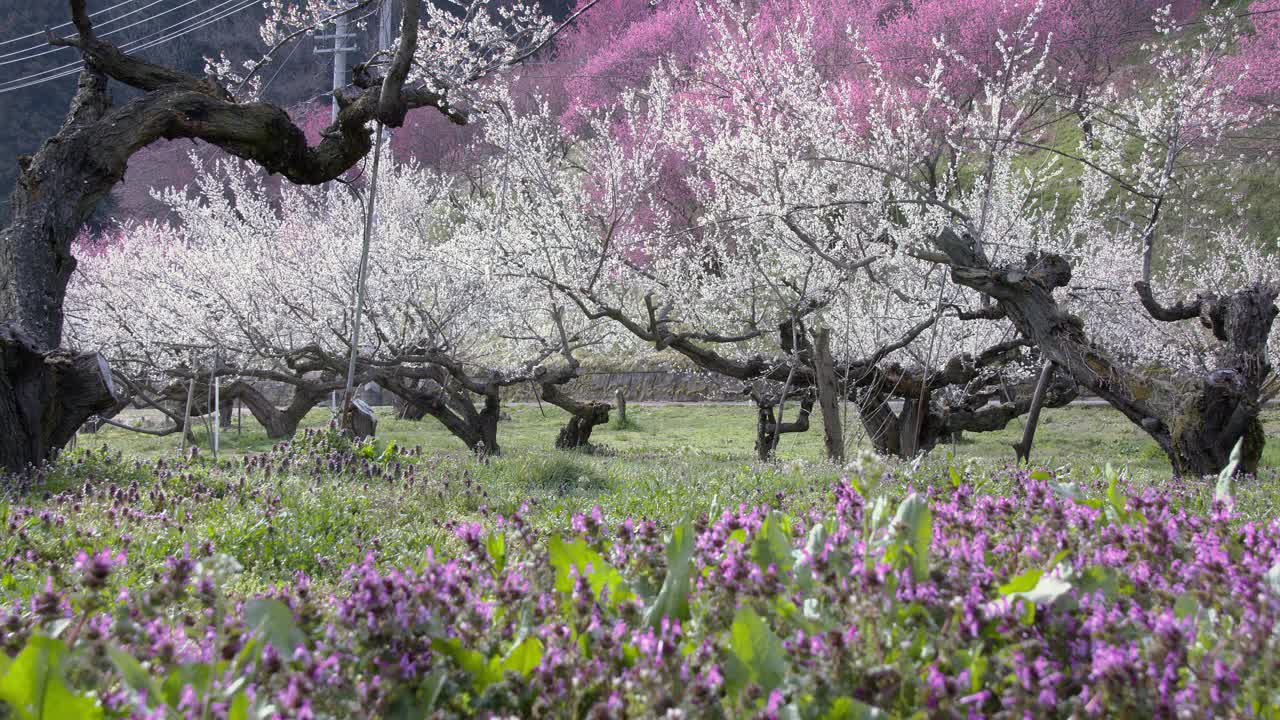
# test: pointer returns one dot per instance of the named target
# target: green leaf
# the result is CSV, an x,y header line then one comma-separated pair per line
x,y
275,621
34,684
756,654
484,672
956,479
1226,489
134,675
496,544
432,687
567,557
915,521
404,706
1023,582
1185,606
772,545
673,597
1042,475
813,547
1114,497
197,675
524,657
1045,591
1106,579
239,707
879,512
847,708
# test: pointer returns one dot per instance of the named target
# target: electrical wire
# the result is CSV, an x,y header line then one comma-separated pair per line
x,y
65,24
45,46
133,46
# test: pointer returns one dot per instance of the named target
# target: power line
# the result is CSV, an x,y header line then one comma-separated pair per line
x,y
138,43
49,50
134,46
65,24
276,74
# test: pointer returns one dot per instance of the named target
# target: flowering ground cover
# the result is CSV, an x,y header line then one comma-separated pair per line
x,y
323,579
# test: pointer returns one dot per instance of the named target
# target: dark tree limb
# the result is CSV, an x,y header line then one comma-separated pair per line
x,y
1174,313
59,187
828,396
583,417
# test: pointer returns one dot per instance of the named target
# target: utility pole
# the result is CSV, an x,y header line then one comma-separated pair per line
x,y
339,51
384,25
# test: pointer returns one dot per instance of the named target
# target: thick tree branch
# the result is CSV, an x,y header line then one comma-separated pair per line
x,y
1180,311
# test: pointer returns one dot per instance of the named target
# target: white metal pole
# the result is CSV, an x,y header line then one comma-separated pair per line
x,y
217,417
384,42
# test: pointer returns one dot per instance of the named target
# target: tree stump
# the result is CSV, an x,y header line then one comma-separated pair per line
x,y
361,421
828,396
226,410
45,397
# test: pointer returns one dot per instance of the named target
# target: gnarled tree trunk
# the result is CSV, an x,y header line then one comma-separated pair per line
x,y
1195,418
44,397
920,427
278,423
451,404
769,430
583,418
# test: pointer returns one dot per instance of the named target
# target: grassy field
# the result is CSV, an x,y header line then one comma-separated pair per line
x,y
685,459
724,433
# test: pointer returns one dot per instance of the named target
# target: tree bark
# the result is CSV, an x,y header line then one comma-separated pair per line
x,y
768,430
438,396
97,420
226,411
404,402
278,423
1195,418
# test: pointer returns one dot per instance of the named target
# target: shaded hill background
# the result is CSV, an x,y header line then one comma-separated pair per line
x,y
30,114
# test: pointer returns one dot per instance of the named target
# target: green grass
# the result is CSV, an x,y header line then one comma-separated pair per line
x,y
682,461
724,434
691,458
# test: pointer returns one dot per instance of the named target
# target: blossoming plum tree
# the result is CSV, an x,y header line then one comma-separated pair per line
x,y
997,217
255,286
738,293
45,397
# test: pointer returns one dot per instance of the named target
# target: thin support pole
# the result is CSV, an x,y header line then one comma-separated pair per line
x,y
349,394
186,415
1023,447
217,417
